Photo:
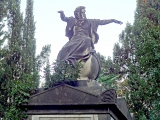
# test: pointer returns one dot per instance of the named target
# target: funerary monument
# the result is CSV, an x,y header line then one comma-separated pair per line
x,y
82,99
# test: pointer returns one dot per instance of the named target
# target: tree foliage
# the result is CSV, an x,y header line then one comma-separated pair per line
x,y
109,72
61,71
146,30
3,15
111,75
19,66
139,59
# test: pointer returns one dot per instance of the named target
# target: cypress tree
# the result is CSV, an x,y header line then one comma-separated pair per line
x,y
47,75
140,53
3,14
144,75
16,89
29,39
13,63
29,44
15,23
18,64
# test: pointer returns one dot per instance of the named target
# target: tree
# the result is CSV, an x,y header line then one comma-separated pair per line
x,y
29,44
19,66
140,52
3,14
109,72
47,75
42,57
147,48
124,56
111,75
16,83
28,38
12,64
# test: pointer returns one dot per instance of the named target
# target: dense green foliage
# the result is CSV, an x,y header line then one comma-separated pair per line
x,y
29,42
109,72
61,71
145,73
111,75
136,61
3,13
19,66
139,58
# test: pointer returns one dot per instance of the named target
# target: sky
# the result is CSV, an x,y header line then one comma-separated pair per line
x,y
51,30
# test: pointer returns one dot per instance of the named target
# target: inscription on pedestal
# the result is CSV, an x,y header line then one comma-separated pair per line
x,y
65,117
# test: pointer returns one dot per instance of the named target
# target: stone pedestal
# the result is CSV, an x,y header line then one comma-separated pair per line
x,y
77,100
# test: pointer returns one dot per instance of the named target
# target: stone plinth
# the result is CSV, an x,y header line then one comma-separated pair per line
x,y
80,100
65,117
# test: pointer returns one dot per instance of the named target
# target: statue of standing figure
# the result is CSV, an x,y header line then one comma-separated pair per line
x,y
82,34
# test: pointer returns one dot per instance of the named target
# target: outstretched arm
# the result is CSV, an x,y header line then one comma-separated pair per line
x,y
104,22
63,17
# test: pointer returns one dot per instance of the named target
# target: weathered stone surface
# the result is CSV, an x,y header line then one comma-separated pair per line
x,y
80,99
63,94
122,105
65,117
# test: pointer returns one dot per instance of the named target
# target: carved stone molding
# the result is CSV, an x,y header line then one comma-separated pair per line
x,y
109,96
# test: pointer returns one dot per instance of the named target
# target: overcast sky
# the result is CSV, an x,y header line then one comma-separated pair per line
x,y
51,30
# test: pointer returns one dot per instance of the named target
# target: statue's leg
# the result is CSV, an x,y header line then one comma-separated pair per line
x,y
75,50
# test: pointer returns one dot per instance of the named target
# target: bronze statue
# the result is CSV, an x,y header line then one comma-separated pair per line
x,y
82,34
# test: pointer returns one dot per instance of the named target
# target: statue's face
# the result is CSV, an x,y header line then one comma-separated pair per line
x,y
81,14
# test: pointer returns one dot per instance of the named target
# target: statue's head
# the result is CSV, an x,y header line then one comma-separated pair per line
x,y
80,12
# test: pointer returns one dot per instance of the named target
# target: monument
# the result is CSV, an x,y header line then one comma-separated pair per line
x,y
81,99
82,35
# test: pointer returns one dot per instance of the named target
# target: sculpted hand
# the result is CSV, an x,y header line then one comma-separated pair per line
x,y
60,11
118,22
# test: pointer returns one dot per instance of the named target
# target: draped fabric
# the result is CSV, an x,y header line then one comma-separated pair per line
x,y
80,45
76,49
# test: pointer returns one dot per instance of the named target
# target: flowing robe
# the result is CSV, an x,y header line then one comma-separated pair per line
x,y
81,41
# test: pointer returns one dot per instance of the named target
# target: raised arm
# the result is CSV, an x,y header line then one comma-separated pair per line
x,y
104,22
63,17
